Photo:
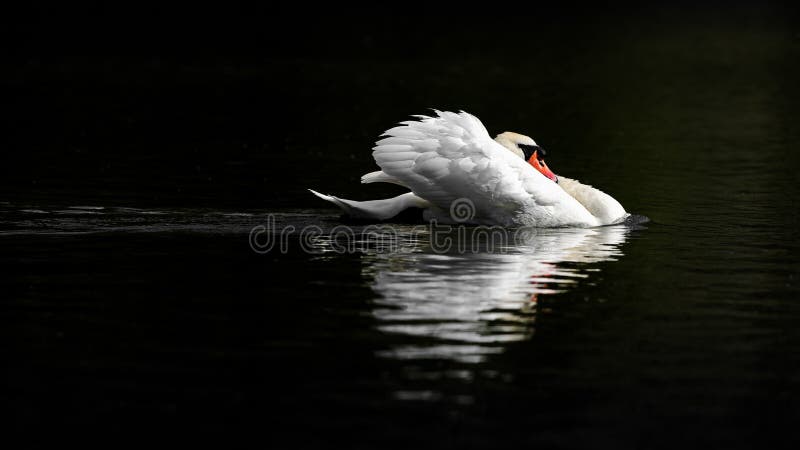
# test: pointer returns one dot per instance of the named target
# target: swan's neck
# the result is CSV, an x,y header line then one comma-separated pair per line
x,y
598,203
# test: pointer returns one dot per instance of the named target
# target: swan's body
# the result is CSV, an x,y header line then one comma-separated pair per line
x,y
451,158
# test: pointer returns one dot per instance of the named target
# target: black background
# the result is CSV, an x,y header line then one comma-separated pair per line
x,y
211,106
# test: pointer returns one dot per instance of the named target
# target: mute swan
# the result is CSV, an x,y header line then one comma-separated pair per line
x,y
449,160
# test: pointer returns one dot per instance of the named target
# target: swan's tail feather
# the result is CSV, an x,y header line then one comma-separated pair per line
x,y
375,209
380,176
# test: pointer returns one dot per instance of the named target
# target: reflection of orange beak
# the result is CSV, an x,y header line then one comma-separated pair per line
x,y
541,166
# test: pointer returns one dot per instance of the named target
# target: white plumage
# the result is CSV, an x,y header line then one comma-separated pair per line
x,y
451,157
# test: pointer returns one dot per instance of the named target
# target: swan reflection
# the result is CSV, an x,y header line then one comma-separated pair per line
x,y
464,306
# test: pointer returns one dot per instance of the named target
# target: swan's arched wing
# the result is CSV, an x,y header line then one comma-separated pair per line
x,y
452,156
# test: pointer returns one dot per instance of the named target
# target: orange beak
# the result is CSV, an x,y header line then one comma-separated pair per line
x,y
540,165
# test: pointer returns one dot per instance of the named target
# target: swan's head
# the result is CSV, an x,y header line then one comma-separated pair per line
x,y
527,149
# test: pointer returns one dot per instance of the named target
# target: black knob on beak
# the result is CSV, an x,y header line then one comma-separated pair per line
x,y
528,150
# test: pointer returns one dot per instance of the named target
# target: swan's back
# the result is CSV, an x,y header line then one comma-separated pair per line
x,y
451,157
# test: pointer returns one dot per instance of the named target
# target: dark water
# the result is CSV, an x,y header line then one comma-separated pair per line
x,y
132,299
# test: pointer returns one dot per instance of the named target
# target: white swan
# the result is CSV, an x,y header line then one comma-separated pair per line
x,y
451,158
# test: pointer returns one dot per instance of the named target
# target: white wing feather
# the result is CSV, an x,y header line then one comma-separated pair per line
x,y
451,156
